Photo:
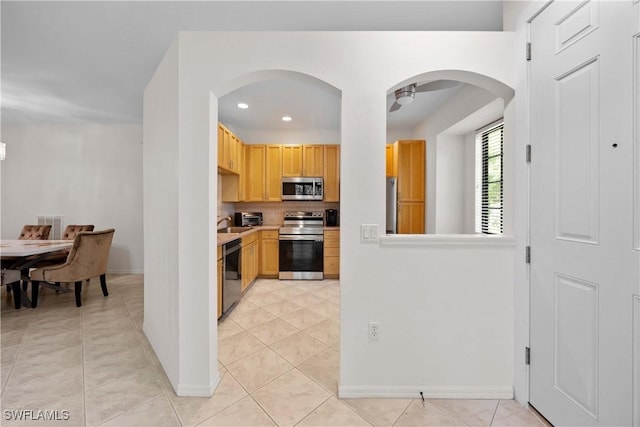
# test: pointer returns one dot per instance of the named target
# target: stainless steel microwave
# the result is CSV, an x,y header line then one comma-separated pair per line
x,y
302,188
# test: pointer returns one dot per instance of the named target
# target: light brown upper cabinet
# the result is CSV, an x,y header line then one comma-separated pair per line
x,y
331,173
411,159
229,151
273,173
312,160
291,160
302,160
390,151
255,173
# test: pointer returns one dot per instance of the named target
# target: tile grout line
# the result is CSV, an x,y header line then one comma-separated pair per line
x,y
495,411
403,412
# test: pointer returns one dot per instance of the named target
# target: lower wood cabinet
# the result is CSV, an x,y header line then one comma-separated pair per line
x,y
249,260
410,218
269,253
331,254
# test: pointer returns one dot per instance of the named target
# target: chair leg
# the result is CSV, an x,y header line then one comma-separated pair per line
x,y
8,288
16,294
78,292
24,273
103,285
35,290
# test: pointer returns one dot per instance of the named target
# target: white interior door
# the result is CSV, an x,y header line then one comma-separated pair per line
x,y
583,265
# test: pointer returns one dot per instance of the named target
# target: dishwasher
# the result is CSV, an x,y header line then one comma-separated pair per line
x,y
231,274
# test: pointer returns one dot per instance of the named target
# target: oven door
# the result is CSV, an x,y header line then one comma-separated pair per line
x,y
301,257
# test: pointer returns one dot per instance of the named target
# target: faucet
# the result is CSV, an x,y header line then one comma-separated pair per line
x,y
228,218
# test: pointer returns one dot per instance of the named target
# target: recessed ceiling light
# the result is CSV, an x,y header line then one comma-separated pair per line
x,y
243,105
286,118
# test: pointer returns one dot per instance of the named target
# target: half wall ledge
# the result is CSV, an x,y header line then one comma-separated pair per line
x,y
440,240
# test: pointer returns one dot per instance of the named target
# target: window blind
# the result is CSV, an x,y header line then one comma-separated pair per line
x,y
490,184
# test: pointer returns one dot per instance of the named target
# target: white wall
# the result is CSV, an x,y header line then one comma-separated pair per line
x,y
464,102
283,136
396,285
89,174
469,185
160,213
450,182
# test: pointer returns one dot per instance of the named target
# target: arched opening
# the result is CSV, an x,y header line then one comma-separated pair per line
x,y
276,323
439,181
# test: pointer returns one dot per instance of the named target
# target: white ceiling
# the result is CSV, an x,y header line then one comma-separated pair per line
x,y
75,62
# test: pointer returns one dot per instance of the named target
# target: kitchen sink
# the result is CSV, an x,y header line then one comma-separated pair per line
x,y
229,230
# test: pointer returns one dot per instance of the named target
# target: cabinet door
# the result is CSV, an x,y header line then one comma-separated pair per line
x,y
255,262
273,173
254,177
235,156
269,257
390,154
331,173
312,160
411,180
291,160
410,218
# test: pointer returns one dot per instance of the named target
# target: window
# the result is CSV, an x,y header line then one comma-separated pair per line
x,y
489,188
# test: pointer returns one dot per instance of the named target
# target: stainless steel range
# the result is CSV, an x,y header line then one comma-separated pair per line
x,y
301,242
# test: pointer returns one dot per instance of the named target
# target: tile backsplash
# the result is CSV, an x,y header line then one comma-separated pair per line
x,y
273,212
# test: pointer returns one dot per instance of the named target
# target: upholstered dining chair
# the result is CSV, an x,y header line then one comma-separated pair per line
x,y
31,232
71,230
35,232
87,258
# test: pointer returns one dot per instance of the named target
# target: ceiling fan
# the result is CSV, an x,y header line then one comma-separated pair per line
x,y
405,94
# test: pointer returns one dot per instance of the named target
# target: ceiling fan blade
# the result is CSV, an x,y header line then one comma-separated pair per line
x,y
394,107
437,85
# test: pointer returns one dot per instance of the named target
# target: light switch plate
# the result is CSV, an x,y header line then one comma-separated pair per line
x,y
369,233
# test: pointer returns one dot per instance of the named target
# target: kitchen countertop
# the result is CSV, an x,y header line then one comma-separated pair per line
x,y
228,237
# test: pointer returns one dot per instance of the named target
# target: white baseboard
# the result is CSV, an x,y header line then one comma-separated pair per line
x,y
413,392
124,271
190,390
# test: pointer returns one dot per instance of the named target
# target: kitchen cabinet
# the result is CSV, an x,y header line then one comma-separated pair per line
x,y
269,253
331,173
234,186
262,173
331,254
291,160
273,173
255,173
390,154
411,179
219,281
229,151
302,160
249,260
409,161
312,160
410,218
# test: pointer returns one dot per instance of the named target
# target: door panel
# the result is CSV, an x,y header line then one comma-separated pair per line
x,y
583,266
576,341
577,177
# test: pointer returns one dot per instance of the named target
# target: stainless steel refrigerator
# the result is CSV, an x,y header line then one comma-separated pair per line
x,y
392,206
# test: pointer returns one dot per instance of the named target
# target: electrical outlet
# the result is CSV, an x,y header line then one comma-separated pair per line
x,y
374,331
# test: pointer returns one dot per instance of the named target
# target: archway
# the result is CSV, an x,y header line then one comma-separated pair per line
x,y
278,315
445,108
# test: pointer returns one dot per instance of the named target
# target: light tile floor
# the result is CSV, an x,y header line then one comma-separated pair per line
x,y
278,358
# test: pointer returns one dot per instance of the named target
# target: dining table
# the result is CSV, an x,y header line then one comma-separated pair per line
x,y
20,255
